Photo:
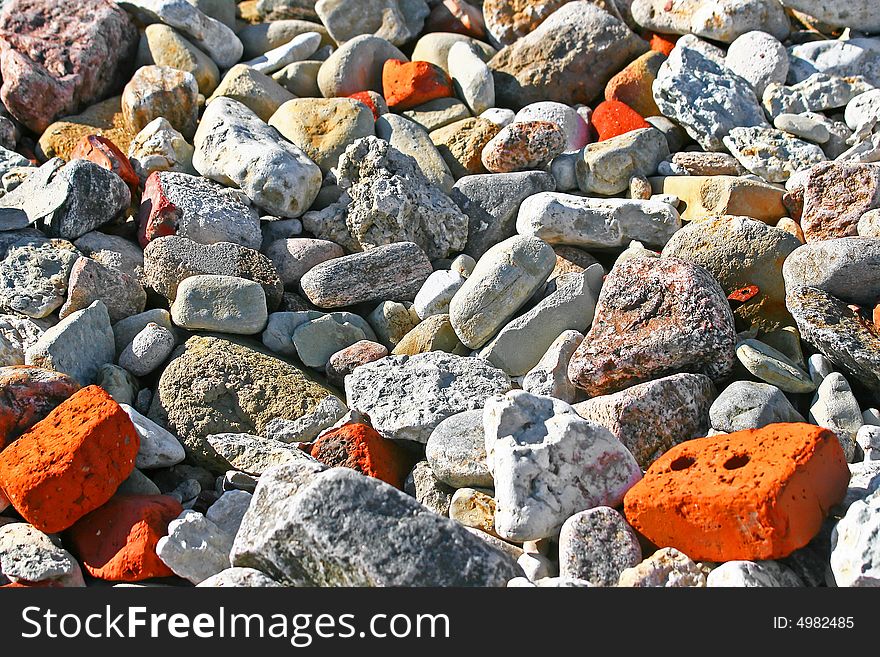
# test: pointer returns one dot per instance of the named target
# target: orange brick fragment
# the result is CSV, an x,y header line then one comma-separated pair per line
x,y
750,495
71,462
117,542
612,118
663,42
362,448
105,153
409,84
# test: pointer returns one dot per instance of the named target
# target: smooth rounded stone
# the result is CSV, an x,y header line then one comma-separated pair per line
x,y
323,127
300,78
238,578
596,223
357,66
652,417
456,451
161,45
16,335
666,568
343,362
752,574
773,367
411,139
28,555
253,89
863,112
463,265
275,228
835,407
392,321
259,38
438,113
721,20
738,252
103,118
597,545
299,48
34,275
522,146
548,463
159,147
118,382
430,491
227,304
863,15
549,377
434,47
655,317
138,484
295,256
607,166
869,224
806,126
359,531
770,153
161,91
398,21
521,343
568,58
89,281
320,338
491,202
432,334
759,58
364,277
749,405
575,129
505,277
707,99
847,268
406,397
841,335
78,345
854,549
388,199
471,77
234,147
473,508
148,350
868,439
537,567
158,448
436,292
461,144
208,34
500,116
125,330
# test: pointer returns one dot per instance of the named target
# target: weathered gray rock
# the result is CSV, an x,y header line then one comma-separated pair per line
x,y
596,223
411,139
125,330
158,448
807,125
293,257
847,268
750,405
391,272
299,48
234,147
16,335
751,574
91,281
159,147
606,167
549,463
549,377
388,199
854,548
423,485
406,397
861,14
118,382
597,545
239,578
226,304
835,407
195,548
306,428
357,66
34,275
354,530
652,417
770,153
843,58
707,99
819,92
78,345
505,277
456,451
248,453
521,343
28,555
318,339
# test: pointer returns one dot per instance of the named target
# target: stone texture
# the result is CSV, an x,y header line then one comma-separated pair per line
x,y
606,167
398,21
159,147
161,92
752,574
461,143
549,377
410,138
91,281
523,145
835,408
456,451
28,557
227,304
255,90
16,335
758,57
356,66
750,405
597,545
835,197
103,118
666,568
854,559
158,448
161,45
712,196
770,153
34,275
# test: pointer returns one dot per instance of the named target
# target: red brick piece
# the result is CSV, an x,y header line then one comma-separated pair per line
x,y
117,542
612,118
409,84
372,100
104,153
663,42
751,495
158,215
360,447
71,462
27,395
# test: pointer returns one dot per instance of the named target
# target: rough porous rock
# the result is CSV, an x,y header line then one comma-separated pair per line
x,y
406,397
34,275
29,557
836,195
523,145
666,568
655,317
159,147
752,574
91,281
720,20
770,153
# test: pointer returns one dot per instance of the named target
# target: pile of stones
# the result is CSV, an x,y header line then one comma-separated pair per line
x,y
440,293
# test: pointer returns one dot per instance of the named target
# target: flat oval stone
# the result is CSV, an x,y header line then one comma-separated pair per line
x,y
773,367
227,304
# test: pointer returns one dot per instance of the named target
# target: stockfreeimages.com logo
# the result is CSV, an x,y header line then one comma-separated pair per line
x,y
299,629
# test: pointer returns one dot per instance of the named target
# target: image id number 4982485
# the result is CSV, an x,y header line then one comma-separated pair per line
x,y
814,623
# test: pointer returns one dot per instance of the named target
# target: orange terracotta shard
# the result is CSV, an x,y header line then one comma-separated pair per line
x,y
750,495
409,84
360,447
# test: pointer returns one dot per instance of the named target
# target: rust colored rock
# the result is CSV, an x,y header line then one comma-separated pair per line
x,y
58,57
360,447
632,86
27,395
836,195
71,462
456,16
663,43
374,101
461,145
406,85
344,361
522,146
104,152
655,317
117,542
612,118
749,495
